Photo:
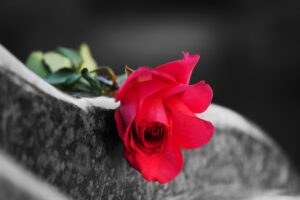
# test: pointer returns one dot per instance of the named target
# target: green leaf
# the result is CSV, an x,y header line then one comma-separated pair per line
x,y
84,81
81,87
60,77
96,86
87,58
55,61
35,63
121,79
72,79
73,55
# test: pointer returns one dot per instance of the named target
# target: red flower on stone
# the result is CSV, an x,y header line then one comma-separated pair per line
x,y
157,118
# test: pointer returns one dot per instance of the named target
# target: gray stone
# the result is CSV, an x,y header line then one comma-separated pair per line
x,y
73,145
19,184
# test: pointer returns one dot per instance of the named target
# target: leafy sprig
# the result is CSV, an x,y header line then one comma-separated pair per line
x,y
75,71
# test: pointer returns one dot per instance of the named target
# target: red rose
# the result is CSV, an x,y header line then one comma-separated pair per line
x,y
157,117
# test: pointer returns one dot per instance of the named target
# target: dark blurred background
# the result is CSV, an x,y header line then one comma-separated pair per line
x,y
249,49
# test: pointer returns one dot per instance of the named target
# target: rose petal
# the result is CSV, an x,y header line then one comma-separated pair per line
x,y
171,91
144,76
161,167
175,104
189,131
120,123
128,139
197,97
149,88
129,106
181,70
153,110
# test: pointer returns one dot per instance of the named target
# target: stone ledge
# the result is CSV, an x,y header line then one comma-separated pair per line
x,y
73,145
18,184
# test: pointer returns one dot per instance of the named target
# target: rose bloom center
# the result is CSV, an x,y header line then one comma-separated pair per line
x,y
150,137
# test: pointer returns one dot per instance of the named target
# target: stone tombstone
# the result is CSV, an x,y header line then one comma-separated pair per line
x,y
55,146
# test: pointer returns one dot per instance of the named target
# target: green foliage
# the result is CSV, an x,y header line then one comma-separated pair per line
x,y
35,63
95,85
72,70
122,78
62,76
71,54
87,58
55,61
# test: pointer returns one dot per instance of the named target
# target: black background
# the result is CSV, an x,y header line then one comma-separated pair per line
x,y
249,49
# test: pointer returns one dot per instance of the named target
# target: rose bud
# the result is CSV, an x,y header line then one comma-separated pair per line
x,y
157,118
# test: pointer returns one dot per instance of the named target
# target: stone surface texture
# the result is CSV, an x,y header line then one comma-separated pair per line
x,y
78,152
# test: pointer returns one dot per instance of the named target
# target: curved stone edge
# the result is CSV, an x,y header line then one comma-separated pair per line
x,y
220,116
223,118
23,182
